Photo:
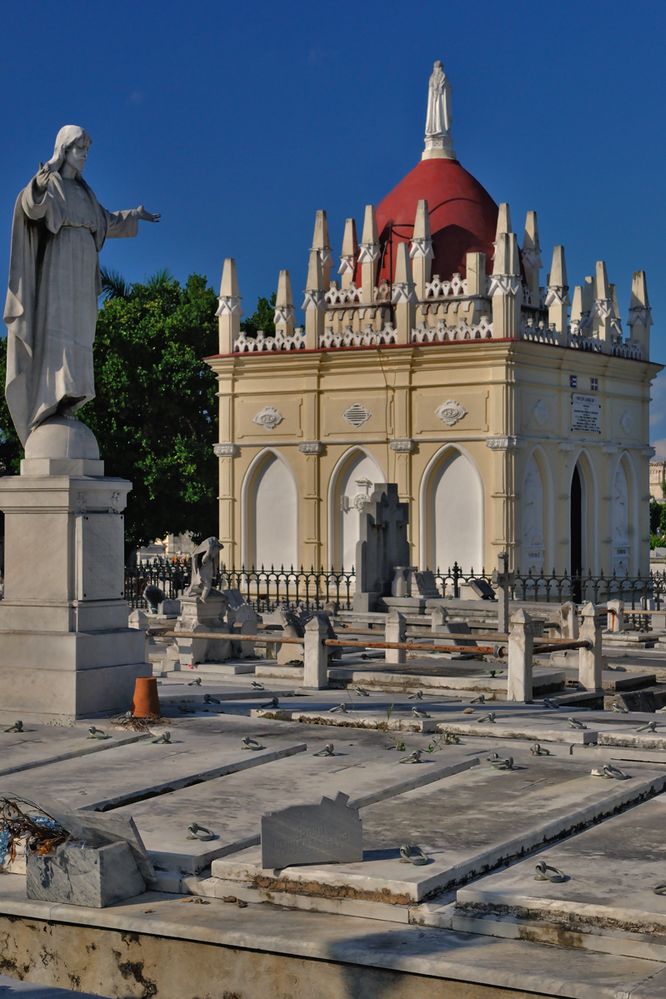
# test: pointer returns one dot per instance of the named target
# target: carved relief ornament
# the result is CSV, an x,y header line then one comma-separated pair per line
x,y
451,412
268,417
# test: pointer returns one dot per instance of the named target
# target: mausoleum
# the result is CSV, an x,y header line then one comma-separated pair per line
x,y
510,407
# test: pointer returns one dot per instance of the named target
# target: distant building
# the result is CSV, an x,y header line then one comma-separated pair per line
x,y
658,480
511,409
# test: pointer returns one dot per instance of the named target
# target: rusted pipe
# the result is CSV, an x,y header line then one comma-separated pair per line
x,y
484,650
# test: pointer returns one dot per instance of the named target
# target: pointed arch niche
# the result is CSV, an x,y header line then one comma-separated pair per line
x,y
451,512
623,518
270,512
353,480
535,515
584,520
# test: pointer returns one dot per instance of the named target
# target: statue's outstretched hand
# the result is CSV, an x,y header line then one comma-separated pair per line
x,y
48,172
144,216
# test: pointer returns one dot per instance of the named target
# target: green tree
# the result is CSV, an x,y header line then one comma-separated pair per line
x,y
261,318
154,414
10,446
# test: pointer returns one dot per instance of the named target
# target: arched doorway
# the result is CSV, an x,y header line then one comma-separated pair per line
x,y
352,483
270,509
576,534
452,513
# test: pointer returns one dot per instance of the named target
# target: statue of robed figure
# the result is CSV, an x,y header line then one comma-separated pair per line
x,y
59,227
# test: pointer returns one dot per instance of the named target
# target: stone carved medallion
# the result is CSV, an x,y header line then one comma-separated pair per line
x,y
268,417
357,414
450,412
626,422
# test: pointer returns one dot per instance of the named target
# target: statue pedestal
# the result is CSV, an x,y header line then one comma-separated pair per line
x,y
206,616
65,648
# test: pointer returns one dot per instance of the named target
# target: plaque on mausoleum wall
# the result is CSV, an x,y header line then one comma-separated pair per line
x,y
585,413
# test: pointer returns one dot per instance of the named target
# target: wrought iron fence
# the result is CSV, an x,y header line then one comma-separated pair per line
x,y
171,576
558,587
308,588
268,588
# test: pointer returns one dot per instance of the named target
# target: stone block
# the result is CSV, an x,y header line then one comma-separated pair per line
x,y
327,833
82,875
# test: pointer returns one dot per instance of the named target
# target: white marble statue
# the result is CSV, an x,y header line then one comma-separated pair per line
x,y
438,115
205,567
58,230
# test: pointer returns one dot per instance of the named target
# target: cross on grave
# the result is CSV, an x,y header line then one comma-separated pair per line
x,y
503,580
382,546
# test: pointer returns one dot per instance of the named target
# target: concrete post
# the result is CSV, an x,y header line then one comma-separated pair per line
x,y
590,661
521,649
615,615
395,632
569,620
438,618
315,654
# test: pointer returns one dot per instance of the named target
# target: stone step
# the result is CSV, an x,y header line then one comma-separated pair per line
x,y
607,903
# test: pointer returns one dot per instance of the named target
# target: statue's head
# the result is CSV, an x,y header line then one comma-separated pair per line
x,y
76,142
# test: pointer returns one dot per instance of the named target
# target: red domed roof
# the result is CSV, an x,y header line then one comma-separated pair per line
x,y
463,216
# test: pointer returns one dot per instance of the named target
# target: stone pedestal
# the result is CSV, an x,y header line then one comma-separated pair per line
x,y
66,650
207,616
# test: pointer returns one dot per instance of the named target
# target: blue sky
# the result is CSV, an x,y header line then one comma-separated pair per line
x,y
238,121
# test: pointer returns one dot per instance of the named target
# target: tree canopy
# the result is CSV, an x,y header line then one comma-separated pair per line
x,y
154,414
261,318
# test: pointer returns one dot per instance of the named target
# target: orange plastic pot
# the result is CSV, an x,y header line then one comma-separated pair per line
x,y
146,701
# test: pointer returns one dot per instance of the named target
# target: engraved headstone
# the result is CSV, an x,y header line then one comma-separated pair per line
x,y
426,585
382,546
327,833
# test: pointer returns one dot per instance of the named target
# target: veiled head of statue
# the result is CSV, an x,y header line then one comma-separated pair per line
x,y
69,135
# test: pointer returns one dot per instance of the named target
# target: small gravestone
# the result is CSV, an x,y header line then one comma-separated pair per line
x,y
482,588
245,620
290,654
327,833
382,546
426,585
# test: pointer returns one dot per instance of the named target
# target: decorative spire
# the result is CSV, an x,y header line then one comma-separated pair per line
x,y
228,310
438,141
640,314
349,254
532,257
313,302
284,306
420,249
603,305
557,295
320,242
368,256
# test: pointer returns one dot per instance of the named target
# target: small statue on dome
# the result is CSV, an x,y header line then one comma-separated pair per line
x,y
438,115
